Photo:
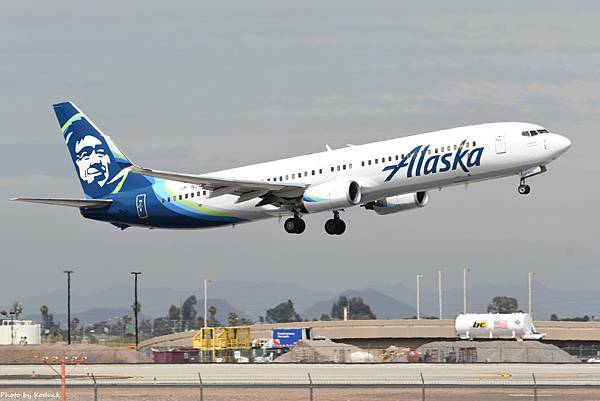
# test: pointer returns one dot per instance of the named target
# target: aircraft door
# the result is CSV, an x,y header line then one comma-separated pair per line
x,y
500,142
140,205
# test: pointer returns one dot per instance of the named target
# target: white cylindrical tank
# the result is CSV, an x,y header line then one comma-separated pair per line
x,y
496,325
20,332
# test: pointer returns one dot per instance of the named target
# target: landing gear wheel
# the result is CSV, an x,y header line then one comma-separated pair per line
x,y
294,225
335,226
301,226
524,189
331,227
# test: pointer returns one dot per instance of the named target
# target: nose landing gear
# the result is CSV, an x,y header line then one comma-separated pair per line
x,y
335,226
523,188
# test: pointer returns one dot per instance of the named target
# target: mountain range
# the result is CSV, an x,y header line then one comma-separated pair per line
x,y
252,299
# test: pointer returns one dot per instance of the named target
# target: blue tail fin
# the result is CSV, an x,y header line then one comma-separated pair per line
x,y
100,165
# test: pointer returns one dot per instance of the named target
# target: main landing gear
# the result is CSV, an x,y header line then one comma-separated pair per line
x,y
523,188
335,226
294,225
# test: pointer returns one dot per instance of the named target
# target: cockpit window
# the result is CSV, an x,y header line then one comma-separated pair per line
x,y
542,131
525,133
533,133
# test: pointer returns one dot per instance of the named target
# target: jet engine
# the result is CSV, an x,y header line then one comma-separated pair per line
x,y
398,203
331,195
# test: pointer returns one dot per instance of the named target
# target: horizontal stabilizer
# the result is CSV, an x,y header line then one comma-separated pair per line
x,y
84,203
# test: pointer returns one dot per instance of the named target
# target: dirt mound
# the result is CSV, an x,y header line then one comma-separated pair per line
x,y
94,353
494,351
312,351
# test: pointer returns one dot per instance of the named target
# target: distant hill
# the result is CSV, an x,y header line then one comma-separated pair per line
x,y
95,315
248,299
546,301
252,299
383,306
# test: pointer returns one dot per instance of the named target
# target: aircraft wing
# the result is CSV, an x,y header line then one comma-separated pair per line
x,y
81,203
270,192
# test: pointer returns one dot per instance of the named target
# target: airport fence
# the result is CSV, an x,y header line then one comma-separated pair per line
x,y
308,390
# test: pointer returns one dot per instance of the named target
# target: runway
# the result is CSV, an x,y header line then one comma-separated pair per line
x,y
322,375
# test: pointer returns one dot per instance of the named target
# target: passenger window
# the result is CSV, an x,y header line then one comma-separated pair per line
x,y
474,143
383,159
313,172
192,195
204,193
280,178
163,200
344,167
287,177
338,168
369,162
349,166
169,199
320,171
454,147
448,150
376,161
305,173
186,196
332,168
180,197
402,155
390,158
396,157
362,163
293,176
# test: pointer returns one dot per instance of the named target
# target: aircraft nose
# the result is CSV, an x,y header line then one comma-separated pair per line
x,y
562,143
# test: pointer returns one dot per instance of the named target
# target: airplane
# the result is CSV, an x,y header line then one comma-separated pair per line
x,y
384,177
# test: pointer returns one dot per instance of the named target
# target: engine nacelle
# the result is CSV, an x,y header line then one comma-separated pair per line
x,y
331,195
398,203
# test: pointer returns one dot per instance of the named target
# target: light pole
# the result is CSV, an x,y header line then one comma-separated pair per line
x,y
440,291
529,280
465,270
419,277
68,273
206,281
12,326
136,306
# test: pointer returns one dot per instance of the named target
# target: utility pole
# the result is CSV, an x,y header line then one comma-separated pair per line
x,y
136,307
206,281
440,292
419,277
529,280
68,273
465,270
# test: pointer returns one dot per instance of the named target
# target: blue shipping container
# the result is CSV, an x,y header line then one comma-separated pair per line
x,y
287,337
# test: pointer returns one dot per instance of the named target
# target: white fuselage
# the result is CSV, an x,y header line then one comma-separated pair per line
x,y
505,151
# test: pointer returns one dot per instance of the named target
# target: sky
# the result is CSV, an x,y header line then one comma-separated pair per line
x,y
197,86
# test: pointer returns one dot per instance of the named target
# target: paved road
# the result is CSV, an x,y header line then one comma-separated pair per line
x,y
474,374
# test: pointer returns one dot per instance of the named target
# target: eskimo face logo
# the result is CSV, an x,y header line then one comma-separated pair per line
x,y
92,160
416,164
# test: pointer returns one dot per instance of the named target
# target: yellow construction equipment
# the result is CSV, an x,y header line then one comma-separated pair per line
x,y
222,338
